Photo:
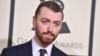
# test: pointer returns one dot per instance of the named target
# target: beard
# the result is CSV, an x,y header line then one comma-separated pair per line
x,y
45,40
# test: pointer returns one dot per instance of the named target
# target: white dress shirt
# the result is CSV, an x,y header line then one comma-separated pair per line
x,y
36,47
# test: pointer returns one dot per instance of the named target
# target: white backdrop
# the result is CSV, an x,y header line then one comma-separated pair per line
x,y
4,22
77,15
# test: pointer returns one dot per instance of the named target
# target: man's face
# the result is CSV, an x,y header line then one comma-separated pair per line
x,y
47,25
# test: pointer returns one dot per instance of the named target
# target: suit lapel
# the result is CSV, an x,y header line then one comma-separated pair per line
x,y
53,52
57,52
26,49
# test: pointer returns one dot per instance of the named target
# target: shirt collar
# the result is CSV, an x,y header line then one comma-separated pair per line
x,y
36,47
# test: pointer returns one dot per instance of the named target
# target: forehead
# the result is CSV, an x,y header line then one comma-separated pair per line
x,y
50,14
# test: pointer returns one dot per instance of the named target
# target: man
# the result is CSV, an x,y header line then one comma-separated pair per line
x,y
47,23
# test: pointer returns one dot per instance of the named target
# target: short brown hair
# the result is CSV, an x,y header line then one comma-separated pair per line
x,y
51,5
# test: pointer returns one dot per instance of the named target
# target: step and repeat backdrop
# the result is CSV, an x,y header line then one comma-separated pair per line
x,y
4,22
74,37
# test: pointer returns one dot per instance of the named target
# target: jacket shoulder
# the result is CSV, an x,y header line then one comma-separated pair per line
x,y
58,52
14,50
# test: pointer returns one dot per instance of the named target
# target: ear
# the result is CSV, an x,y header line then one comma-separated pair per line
x,y
34,22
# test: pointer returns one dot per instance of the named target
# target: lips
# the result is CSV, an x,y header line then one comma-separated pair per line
x,y
48,35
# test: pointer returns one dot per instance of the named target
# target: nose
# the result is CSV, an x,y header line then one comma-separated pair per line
x,y
50,28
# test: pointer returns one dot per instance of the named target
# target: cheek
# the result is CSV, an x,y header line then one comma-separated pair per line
x,y
41,27
57,30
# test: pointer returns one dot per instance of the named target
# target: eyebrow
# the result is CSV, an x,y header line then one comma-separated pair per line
x,y
49,20
58,21
44,18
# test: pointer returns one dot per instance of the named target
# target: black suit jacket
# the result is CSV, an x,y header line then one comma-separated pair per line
x,y
26,50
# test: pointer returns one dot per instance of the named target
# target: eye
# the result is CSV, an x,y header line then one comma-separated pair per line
x,y
44,21
56,24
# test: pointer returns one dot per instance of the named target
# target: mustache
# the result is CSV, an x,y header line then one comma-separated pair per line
x,y
48,32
